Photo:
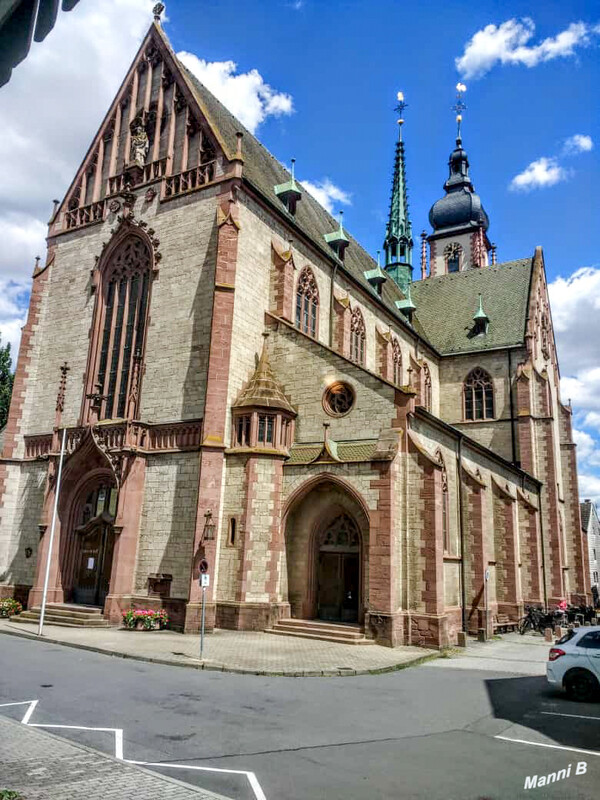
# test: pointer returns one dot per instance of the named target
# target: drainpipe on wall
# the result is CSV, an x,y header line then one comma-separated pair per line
x,y
512,409
463,591
542,548
333,274
407,538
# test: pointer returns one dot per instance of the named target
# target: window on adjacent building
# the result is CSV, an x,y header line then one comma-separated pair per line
x,y
397,362
307,302
124,309
266,428
357,337
242,431
478,395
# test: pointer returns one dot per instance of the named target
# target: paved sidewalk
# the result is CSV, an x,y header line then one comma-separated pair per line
x,y
233,651
41,766
522,655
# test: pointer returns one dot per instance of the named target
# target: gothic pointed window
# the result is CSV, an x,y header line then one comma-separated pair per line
x,y
397,362
307,303
124,307
357,336
478,395
453,256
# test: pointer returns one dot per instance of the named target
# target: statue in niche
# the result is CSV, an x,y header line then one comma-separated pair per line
x,y
139,143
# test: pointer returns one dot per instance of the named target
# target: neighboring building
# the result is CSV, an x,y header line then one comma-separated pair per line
x,y
245,385
591,527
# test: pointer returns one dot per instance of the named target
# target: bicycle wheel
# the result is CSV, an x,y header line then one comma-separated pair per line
x,y
524,625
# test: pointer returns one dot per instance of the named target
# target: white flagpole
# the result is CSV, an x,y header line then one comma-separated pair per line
x,y
54,513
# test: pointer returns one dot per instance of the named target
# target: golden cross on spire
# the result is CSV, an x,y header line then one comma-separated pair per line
x,y
399,109
459,106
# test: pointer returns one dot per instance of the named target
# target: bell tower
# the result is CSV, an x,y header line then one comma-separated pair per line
x,y
459,239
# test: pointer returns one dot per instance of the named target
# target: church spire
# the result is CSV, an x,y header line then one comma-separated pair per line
x,y
398,235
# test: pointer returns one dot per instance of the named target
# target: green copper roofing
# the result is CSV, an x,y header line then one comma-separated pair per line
x,y
338,236
407,305
480,313
375,276
284,190
445,306
398,235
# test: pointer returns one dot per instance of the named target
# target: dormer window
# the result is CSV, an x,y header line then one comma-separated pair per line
x,y
289,192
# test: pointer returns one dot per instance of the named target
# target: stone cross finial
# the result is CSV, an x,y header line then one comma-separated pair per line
x,y
157,11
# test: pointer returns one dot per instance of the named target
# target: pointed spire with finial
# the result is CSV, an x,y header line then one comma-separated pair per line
x,y
398,235
263,390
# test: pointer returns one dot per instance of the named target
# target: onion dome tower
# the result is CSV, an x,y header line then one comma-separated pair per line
x,y
459,221
398,242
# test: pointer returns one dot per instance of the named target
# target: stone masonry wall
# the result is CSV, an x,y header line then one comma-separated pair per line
x,y
168,521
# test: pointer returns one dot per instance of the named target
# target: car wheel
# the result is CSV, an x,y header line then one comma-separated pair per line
x,y
580,685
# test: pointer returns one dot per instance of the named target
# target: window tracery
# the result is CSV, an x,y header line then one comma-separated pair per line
x,y
357,336
124,300
342,534
478,395
307,302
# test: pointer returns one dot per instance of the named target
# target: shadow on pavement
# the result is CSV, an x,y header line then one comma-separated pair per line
x,y
531,703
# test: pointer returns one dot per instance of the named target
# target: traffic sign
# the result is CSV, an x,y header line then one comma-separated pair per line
x,y
203,566
205,581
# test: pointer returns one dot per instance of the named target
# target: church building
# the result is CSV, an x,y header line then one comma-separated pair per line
x,y
379,447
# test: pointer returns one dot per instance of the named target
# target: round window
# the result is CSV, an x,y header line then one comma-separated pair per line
x,y
338,399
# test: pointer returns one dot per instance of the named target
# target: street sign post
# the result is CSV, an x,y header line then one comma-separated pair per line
x,y
204,581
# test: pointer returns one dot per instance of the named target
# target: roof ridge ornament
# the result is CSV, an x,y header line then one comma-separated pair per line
x,y
157,12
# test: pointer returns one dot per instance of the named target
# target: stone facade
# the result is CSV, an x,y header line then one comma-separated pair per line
x,y
362,494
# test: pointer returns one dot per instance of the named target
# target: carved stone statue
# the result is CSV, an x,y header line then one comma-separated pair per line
x,y
139,143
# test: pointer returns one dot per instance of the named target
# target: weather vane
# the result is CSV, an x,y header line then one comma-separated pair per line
x,y
400,110
459,106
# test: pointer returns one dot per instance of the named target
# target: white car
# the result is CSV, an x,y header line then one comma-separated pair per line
x,y
574,663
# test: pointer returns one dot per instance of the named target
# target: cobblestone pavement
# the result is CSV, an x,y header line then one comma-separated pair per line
x,y
40,766
234,651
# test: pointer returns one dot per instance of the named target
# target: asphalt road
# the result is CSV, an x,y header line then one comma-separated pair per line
x,y
425,732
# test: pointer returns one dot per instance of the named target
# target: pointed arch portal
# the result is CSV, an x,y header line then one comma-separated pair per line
x,y
326,538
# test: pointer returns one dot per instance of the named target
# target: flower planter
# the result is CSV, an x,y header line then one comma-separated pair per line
x,y
145,619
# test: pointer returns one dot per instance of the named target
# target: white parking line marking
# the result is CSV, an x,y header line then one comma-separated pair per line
x,y
118,732
31,703
252,779
552,746
574,716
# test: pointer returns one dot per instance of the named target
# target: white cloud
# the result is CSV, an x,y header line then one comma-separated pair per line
x,y
245,94
51,109
589,487
578,143
539,174
509,43
327,194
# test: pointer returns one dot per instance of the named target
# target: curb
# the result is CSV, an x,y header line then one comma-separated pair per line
x,y
98,753
215,667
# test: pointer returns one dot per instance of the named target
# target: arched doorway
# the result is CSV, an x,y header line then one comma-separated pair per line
x,y
325,573
94,544
338,571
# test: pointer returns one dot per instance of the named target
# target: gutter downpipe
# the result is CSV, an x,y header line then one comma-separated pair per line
x,y
463,590
512,409
407,540
543,554
333,274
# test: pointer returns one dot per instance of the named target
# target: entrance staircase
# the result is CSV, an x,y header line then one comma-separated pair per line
x,y
65,615
341,633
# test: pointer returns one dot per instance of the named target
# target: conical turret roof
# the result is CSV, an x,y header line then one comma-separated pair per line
x,y
263,390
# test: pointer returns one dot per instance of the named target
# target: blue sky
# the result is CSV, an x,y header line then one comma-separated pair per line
x,y
318,81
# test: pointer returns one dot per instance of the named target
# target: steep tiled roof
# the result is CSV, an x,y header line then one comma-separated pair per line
x,y
262,389
264,172
446,305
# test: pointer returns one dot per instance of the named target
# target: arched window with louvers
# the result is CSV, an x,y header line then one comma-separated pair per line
x,y
357,336
120,319
307,303
478,393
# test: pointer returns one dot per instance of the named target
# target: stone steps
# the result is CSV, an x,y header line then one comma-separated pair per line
x,y
65,616
322,631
